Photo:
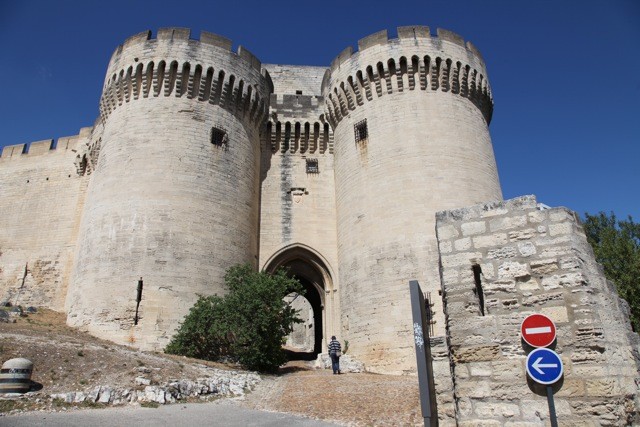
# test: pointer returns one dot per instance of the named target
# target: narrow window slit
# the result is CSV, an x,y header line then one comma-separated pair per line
x,y
477,277
138,299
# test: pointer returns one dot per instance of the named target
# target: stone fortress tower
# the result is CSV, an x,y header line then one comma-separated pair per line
x,y
174,197
357,177
410,119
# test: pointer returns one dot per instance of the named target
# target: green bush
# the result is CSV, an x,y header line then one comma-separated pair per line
x,y
248,325
616,245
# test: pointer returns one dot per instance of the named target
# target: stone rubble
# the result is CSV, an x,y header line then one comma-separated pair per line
x,y
219,384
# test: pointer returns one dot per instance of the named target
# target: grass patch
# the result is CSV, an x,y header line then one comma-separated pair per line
x,y
88,404
58,403
149,404
8,405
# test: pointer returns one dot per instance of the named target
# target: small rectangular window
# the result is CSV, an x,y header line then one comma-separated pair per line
x,y
298,92
360,130
312,166
218,137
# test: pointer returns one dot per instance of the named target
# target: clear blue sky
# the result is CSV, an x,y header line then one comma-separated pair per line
x,y
565,74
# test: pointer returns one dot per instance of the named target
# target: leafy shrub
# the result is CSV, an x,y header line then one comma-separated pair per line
x,y
248,325
616,245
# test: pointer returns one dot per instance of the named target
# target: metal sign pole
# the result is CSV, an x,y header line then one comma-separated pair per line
x,y
543,365
552,407
423,356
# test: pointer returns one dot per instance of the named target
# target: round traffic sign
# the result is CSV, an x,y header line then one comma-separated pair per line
x,y
544,366
538,330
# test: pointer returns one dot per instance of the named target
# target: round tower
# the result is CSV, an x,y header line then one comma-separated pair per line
x,y
410,119
174,196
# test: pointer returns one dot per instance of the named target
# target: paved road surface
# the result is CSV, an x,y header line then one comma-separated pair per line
x,y
209,414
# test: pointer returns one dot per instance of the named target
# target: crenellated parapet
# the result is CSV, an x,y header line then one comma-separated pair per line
x,y
415,61
174,65
49,147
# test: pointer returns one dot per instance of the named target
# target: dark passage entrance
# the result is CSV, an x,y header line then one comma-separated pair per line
x,y
306,341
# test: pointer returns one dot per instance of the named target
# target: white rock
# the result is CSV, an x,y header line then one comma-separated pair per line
x,y
143,381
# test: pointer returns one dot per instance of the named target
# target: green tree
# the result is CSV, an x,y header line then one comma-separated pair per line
x,y
248,325
616,244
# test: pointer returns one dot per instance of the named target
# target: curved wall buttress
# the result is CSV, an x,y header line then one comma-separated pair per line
x,y
425,148
174,196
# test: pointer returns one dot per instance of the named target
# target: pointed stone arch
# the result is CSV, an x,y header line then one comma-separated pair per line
x,y
313,271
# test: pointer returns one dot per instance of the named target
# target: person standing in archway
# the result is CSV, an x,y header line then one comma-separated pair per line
x,y
335,351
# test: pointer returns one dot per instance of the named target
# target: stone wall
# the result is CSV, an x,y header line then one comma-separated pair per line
x,y
297,206
42,193
531,259
296,79
297,175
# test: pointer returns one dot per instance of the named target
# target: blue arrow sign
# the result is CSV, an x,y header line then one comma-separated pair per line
x,y
544,366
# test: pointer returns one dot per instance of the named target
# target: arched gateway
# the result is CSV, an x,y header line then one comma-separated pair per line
x,y
317,308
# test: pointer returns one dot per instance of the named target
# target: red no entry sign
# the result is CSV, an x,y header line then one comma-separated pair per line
x,y
538,330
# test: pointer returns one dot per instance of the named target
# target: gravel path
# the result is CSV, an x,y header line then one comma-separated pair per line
x,y
348,399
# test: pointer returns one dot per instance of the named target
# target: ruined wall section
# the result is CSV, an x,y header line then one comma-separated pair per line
x,y
531,259
410,120
175,194
42,198
297,194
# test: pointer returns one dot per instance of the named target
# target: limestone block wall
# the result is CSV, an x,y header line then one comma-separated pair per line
x,y
297,208
410,119
297,190
296,79
297,175
42,194
501,262
175,194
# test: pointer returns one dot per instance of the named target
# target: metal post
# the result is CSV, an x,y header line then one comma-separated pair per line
x,y
552,407
423,356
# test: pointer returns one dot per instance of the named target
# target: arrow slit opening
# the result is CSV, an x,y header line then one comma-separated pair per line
x,y
477,277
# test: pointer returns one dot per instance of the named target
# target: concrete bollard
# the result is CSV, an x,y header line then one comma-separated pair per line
x,y
15,376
